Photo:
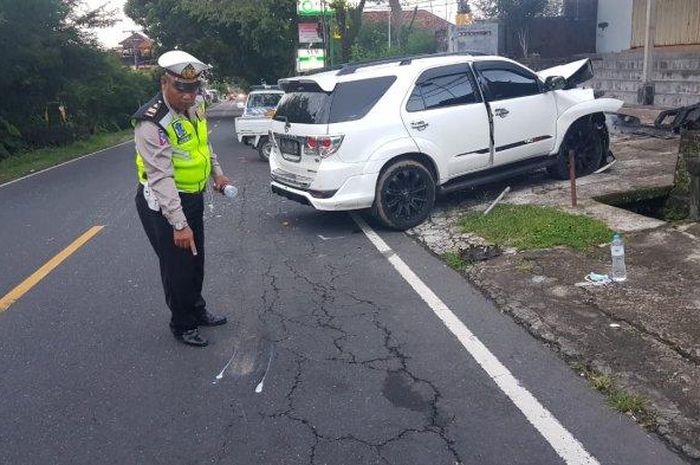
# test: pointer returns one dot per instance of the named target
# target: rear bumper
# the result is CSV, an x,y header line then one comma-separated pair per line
x,y
248,139
356,193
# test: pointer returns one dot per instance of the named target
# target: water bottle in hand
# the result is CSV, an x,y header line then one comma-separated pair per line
x,y
617,250
230,191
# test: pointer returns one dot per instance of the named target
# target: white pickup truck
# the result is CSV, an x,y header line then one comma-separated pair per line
x,y
253,126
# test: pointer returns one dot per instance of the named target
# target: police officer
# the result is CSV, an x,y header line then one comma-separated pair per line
x,y
174,161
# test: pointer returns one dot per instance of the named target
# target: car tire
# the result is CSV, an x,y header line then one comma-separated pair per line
x,y
590,141
405,195
264,148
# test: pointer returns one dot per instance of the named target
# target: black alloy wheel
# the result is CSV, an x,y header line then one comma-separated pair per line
x,y
405,195
589,140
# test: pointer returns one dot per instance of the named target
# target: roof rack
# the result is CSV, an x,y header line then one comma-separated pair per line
x,y
350,68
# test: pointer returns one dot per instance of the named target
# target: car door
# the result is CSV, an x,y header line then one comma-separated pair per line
x,y
524,116
446,117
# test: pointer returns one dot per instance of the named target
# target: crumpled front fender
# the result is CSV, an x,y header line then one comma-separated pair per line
x,y
566,119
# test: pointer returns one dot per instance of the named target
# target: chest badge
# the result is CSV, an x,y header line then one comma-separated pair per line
x,y
180,132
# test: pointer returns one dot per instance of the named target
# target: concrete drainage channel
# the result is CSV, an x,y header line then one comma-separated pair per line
x,y
637,342
654,203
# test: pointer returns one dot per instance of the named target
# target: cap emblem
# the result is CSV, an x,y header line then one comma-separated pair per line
x,y
189,72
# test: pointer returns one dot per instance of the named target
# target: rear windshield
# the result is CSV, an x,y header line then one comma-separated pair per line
x,y
349,101
264,100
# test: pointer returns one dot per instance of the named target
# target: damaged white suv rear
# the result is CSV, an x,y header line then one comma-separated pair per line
x,y
392,135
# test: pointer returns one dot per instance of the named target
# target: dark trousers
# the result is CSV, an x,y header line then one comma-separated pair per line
x,y
181,272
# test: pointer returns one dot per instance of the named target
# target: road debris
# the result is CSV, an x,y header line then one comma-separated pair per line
x,y
679,118
498,199
594,279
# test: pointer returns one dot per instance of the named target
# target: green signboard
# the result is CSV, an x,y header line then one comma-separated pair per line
x,y
314,8
310,59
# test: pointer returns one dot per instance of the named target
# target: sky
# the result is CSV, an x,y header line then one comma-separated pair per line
x,y
110,37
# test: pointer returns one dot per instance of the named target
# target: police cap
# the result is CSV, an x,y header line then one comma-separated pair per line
x,y
182,65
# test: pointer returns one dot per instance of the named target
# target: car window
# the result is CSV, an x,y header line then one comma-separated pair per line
x,y
509,82
442,89
353,100
264,100
349,101
304,107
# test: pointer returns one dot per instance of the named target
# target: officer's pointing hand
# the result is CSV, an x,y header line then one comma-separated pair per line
x,y
184,239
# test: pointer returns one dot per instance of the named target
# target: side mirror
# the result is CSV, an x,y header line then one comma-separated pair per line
x,y
554,83
240,105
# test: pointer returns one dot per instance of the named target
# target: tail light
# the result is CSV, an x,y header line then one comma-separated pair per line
x,y
323,146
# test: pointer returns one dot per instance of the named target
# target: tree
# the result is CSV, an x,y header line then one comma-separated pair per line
x,y
396,20
349,21
57,83
371,43
251,39
517,15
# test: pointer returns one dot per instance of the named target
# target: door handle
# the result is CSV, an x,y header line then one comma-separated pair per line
x,y
502,112
419,125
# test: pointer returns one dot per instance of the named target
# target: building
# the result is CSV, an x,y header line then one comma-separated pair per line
x,y
136,50
570,31
665,74
622,24
423,20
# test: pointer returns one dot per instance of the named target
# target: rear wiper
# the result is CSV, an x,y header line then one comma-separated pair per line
x,y
287,124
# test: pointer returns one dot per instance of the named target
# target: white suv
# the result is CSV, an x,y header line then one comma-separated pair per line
x,y
393,134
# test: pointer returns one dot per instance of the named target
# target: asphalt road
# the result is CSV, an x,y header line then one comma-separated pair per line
x,y
357,367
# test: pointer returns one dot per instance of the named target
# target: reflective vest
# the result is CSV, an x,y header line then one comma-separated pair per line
x,y
189,141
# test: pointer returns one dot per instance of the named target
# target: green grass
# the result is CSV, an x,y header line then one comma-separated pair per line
x,y
455,261
620,400
628,403
531,227
25,163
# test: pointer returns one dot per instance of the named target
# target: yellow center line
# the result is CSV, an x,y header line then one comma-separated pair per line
x,y
16,293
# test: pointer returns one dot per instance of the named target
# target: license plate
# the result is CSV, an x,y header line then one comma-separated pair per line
x,y
290,149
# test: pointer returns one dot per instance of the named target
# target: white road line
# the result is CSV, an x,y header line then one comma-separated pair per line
x,y
561,440
65,163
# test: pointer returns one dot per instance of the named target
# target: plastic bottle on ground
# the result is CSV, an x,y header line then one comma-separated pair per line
x,y
617,251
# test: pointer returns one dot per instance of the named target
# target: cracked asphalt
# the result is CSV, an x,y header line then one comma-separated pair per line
x,y
355,367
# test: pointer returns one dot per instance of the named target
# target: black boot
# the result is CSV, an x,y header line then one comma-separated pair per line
x,y
190,337
207,318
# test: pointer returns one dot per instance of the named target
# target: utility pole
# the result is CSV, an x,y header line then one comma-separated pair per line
x,y
388,15
645,95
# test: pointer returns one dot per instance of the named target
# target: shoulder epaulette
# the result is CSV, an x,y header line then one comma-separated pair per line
x,y
155,110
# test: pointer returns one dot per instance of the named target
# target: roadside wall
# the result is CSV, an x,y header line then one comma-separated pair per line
x,y
614,27
481,36
554,37
677,22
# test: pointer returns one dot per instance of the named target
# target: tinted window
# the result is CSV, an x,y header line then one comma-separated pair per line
x,y
415,101
442,91
349,101
304,107
264,100
509,83
353,100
